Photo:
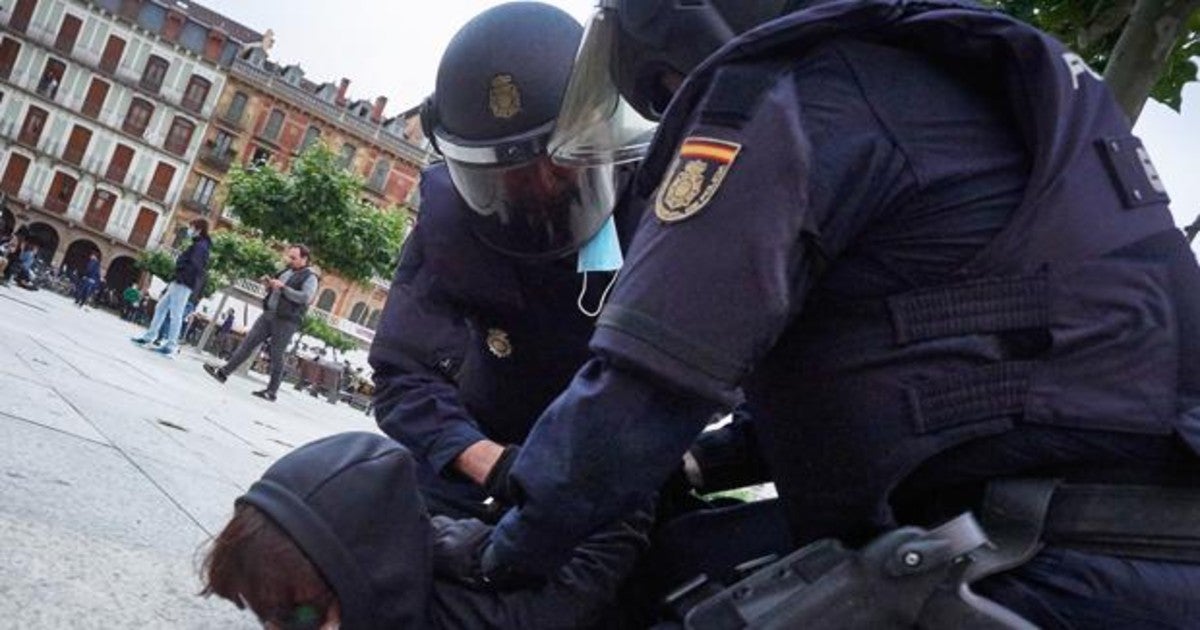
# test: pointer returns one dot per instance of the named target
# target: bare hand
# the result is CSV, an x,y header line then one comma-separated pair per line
x,y
477,460
275,283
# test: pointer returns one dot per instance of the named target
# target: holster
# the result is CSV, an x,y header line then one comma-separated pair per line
x,y
906,578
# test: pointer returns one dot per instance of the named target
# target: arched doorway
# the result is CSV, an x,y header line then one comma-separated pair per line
x,y
46,238
122,272
77,255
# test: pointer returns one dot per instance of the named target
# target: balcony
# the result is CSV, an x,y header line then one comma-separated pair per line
x,y
217,160
197,207
231,120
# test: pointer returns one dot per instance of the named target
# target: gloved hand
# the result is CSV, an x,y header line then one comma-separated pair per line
x,y
462,552
496,484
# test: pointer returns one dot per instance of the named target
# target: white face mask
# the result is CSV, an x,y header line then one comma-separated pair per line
x,y
191,232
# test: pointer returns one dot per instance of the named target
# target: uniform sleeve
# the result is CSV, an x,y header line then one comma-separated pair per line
x,y
718,265
417,353
702,297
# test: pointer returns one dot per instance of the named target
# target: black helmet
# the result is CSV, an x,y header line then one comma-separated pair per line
x,y
499,88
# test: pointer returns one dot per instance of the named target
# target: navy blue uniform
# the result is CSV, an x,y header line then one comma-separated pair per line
x,y
962,267
472,344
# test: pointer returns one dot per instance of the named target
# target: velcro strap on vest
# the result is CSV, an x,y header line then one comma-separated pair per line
x,y
982,306
971,396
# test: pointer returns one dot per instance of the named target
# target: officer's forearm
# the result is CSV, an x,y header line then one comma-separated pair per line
x,y
478,460
599,451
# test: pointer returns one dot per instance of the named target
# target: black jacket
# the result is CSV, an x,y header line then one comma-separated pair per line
x,y
350,501
191,264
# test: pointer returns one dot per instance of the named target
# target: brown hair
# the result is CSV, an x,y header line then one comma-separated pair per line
x,y
252,562
303,250
201,225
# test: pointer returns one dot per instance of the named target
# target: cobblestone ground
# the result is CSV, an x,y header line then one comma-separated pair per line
x,y
117,465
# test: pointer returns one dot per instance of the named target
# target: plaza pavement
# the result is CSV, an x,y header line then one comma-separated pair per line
x,y
117,465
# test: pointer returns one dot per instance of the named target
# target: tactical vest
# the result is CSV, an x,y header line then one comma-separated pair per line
x,y
286,309
1082,313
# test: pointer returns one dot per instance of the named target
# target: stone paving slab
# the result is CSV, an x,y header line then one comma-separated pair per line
x,y
116,466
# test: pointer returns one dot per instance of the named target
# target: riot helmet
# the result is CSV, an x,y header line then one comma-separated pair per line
x,y
636,52
498,92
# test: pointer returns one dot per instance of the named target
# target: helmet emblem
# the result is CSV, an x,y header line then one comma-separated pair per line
x,y
498,343
690,183
504,98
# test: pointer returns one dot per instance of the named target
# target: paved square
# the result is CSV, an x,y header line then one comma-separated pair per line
x,y
117,465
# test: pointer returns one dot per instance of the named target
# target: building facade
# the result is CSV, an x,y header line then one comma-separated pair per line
x,y
103,108
269,113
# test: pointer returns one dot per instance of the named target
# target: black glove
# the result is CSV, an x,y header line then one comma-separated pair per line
x,y
462,553
496,484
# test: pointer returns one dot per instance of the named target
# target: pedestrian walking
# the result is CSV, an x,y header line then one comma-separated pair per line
x,y
289,293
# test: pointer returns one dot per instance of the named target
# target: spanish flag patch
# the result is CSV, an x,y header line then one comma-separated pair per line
x,y
694,177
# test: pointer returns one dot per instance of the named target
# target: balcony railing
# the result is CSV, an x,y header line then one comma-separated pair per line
x,y
217,160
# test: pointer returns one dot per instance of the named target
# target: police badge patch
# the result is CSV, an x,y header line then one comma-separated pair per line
x,y
498,343
504,98
694,177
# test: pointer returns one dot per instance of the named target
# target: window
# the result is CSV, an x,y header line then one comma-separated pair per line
x,y
94,101
77,144
31,131
14,174
379,175
373,320
113,50
347,156
311,135
260,157
118,166
274,124
222,142
143,227
358,314
138,117
61,191
19,20
325,302
9,50
52,76
237,107
99,209
203,193
180,136
68,32
196,93
161,182
154,73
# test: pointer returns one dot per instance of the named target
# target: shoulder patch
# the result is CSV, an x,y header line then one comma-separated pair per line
x,y
694,177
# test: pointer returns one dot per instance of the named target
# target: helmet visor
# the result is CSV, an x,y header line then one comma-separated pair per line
x,y
595,125
535,209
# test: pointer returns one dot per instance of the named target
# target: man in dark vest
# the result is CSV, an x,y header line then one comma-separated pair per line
x,y
969,295
288,295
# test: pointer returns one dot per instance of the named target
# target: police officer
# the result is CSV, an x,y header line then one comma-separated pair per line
x,y
962,270
495,297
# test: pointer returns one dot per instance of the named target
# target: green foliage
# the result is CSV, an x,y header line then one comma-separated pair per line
x,y
331,336
236,254
317,203
159,263
1092,28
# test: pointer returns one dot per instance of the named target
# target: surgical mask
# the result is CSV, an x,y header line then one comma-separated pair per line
x,y
191,232
600,254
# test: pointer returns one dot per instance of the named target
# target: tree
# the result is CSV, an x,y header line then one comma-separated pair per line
x,y
236,254
318,203
159,263
332,337
1145,48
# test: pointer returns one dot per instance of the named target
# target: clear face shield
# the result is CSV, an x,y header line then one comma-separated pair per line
x,y
595,124
525,205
